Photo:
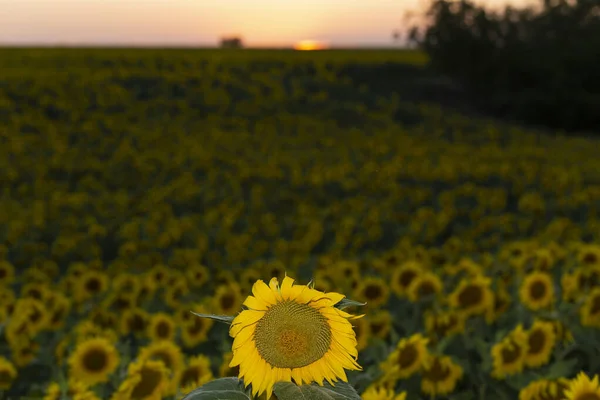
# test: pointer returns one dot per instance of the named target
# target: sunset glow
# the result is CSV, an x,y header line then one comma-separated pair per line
x,y
308,45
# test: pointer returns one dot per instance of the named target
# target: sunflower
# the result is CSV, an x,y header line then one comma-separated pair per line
x,y
227,299
403,276
248,277
380,324
589,255
225,370
134,321
408,357
175,294
197,275
158,275
362,329
146,380
425,285
373,290
544,389
8,373
589,312
93,361
24,352
59,308
440,376
509,354
465,266
75,390
292,332
381,393
500,304
161,327
166,351
541,341
472,296
583,388
89,285
7,273
537,291
194,375
87,329
195,330
444,324
571,291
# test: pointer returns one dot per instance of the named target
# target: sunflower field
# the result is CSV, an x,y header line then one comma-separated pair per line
x,y
173,220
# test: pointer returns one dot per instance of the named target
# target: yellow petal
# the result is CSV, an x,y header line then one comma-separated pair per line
x,y
262,292
255,304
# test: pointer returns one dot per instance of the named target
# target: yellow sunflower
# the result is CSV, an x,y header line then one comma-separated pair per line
x,y
425,285
195,330
541,341
134,321
7,273
8,373
472,296
225,370
90,284
589,312
363,332
197,275
509,354
500,304
292,332
382,393
75,390
161,327
440,376
380,324
146,380
227,299
583,388
403,276
589,255
372,290
93,361
544,389
537,291
409,357
444,324
166,351
194,375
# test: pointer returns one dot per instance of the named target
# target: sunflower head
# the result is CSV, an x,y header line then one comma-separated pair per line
x,y
408,358
537,290
440,376
8,373
509,354
541,339
472,296
93,360
292,332
583,388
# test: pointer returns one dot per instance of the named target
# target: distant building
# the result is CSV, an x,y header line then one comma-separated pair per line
x,y
231,43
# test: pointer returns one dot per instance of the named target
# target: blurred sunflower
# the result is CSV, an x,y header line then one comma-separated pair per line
x,y
472,296
372,290
381,393
146,380
166,351
195,374
589,255
425,285
287,332
89,285
509,354
403,276
225,370
134,321
75,390
7,273
544,389
362,330
248,277
589,313
161,327
227,299
174,295
93,360
501,302
444,324
537,291
195,330
440,376
408,357
8,373
380,324
541,340
583,388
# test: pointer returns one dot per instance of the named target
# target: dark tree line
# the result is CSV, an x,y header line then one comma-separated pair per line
x,y
538,65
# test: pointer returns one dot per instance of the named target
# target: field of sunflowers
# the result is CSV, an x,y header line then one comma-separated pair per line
x,y
271,189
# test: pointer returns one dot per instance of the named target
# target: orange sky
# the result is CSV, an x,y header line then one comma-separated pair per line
x,y
202,22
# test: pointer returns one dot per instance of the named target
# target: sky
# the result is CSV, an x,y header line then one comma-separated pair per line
x,y
260,23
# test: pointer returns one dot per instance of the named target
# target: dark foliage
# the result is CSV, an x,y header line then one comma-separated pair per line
x,y
537,65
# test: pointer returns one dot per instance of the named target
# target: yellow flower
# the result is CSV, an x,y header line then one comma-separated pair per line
x,y
292,332
440,376
146,380
166,351
227,299
161,327
472,296
195,330
583,388
93,361
541,341
373,290
134,321
445,323
408,357
404,275
362,329
589,255
590,310
544,389
8,373
537,291
197,275
90,284
194,375
509,354
380,324
225,370
426,284
382,393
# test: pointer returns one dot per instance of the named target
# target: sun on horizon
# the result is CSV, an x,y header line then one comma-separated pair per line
x,y
307,45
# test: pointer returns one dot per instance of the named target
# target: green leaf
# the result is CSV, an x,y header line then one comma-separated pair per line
x,y
220,389
562,369
345,303
226,319
291,391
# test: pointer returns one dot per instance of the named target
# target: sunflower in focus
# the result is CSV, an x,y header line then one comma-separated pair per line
x,y
583,388
509,354
292,332
541,341
472,296
382,393
372,290
93,361
537,291
440,376
409,357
